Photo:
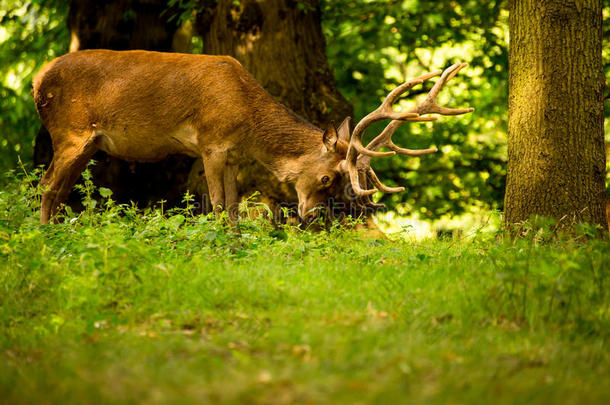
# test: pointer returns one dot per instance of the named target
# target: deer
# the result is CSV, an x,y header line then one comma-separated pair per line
x,y
143,106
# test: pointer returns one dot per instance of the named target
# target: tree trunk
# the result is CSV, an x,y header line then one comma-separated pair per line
x,y
556,159
281,43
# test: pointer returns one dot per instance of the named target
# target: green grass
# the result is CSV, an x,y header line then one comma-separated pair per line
x,y
118,305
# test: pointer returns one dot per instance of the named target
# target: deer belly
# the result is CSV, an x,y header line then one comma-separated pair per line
x,y
148,146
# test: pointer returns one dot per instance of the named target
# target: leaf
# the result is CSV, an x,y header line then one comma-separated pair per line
x,y
175,221
211,236
105,192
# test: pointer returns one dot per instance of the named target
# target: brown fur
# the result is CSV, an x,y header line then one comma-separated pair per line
x,y
144,106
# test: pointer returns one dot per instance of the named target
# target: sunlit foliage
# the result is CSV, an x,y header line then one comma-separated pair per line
x,y
31,33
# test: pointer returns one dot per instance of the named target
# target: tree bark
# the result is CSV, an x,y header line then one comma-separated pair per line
x,y
283,47
556,159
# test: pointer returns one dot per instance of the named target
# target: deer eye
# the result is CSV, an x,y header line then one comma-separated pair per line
x,y
325,180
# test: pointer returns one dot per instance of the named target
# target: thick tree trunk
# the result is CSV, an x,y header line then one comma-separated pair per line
x,y
556,159
283,47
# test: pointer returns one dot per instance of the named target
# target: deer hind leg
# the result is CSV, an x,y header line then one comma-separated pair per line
x,y
67,165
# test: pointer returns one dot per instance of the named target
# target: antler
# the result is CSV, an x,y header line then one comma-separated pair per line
x,y
358,157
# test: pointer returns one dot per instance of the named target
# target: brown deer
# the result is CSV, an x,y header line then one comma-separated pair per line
x,y
144,106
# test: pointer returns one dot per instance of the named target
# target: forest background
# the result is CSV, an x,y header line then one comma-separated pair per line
x,y
371,47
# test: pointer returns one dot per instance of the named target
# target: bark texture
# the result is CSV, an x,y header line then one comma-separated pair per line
x,y
283,47
556,159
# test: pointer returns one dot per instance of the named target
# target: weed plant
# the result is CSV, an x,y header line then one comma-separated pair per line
x,y
118,304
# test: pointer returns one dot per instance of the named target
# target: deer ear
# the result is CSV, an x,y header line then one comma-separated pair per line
x,y
344,130
330,137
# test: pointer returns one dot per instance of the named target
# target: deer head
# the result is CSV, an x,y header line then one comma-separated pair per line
x,y
321,174
344,163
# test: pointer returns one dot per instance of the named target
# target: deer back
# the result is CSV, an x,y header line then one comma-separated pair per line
x,y
148,103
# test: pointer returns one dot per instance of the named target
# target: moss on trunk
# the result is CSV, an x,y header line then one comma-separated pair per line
x,y
556,159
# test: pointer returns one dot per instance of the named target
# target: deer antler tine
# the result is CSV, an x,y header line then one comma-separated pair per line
x,y
384,137
394,94
354,179
377,183
451,111
456,71
365,201
410,152
429,106
427,76
421,119
402,116
441,82
364,151
447,75
362,192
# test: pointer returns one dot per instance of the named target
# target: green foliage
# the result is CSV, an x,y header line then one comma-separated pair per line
x,y
31,33
120,305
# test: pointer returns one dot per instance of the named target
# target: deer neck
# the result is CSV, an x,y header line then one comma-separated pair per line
x,y
283,142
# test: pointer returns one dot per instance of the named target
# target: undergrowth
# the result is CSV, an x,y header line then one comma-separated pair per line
x,y
120,304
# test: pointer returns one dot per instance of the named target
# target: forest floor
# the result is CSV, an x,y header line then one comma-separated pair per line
x,y
118,305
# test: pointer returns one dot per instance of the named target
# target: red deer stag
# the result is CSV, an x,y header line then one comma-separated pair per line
x,y
143,106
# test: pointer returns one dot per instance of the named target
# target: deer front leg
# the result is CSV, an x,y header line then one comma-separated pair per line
x,y
230,187
214,165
